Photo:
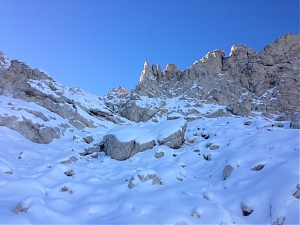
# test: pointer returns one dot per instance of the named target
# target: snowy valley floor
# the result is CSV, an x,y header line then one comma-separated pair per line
x,y
35,189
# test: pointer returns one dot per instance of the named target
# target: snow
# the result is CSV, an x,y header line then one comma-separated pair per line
x,y
146,133
193,190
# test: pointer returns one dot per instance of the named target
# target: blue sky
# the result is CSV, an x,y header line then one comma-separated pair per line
x,y
101,44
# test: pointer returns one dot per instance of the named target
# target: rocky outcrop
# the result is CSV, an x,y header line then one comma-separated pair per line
x,y
35,132
245,82
18,80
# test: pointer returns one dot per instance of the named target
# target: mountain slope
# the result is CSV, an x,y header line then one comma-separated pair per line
x,y
209,145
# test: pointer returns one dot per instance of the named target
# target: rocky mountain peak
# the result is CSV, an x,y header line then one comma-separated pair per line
x,y
4,60
244,82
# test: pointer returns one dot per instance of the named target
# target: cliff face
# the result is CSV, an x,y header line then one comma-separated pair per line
x,y
245,82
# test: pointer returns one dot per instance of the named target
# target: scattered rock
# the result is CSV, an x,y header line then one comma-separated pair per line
x,y
214,147
278,124
196,213
70,173
207,157
205,136
72,159
206,197
91,150
159,154
144,176
88,139
279,221
208,144
258,167
65,189
247,123
227,171
297,194
20,208
173,116
76,137
247,210
94,155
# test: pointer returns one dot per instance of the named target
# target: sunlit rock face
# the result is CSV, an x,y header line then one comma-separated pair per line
x,y
245,82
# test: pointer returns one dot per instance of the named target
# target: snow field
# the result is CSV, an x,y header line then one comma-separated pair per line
x,y
193,189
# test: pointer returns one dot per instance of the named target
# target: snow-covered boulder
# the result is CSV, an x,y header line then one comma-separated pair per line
x,y
123,142
172,133
123,149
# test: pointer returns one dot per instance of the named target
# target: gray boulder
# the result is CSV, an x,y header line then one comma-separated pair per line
x,y
121,150
175,138
88,139
227,171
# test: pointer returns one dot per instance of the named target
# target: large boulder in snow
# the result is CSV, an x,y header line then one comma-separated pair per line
x,y
170,135
121,150
122,142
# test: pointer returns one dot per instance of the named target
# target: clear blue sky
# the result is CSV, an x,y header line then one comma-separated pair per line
x,y
101,44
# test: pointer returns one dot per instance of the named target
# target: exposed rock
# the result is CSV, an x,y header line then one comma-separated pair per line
x,y
247,123
123,150
144,176
20,208
32,85
208,144
174,140
35,132
214,147
219,113
244,82
173,116
136,111
94,156
197,213
88,139
91,150
70,173
258,167
246,209
72,159
207,157
279,221
297,194
159,154
295,121
227,171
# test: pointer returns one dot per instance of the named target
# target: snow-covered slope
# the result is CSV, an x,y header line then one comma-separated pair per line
x,y
35,188
187,159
